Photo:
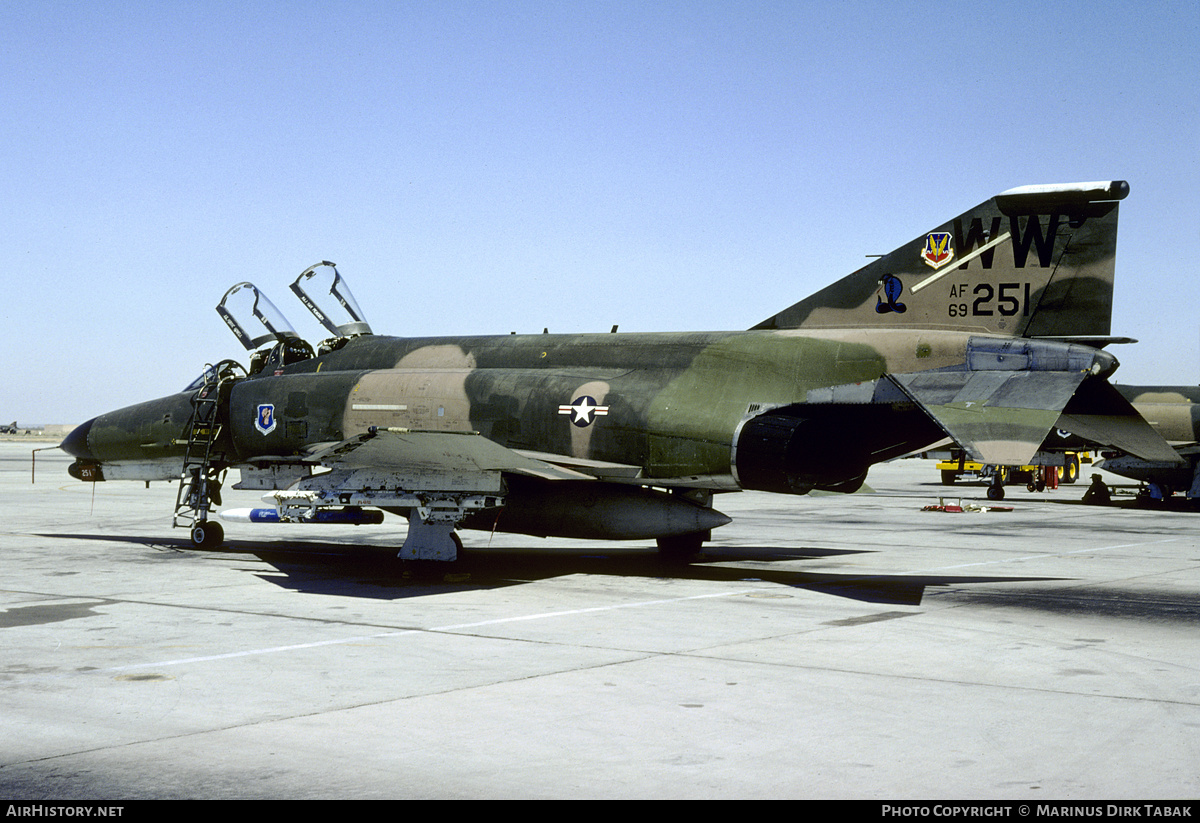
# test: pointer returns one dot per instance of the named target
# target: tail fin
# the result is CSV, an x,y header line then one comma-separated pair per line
x,y
1035,261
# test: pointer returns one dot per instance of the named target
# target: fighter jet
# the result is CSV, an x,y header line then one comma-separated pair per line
x,y
1174,413
984,329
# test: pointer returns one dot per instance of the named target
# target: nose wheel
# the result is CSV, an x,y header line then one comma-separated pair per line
x,y
199,489
207,535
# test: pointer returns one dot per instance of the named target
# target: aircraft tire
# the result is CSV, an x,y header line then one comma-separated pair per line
x,y
995,492
948,477
1071,470
207,535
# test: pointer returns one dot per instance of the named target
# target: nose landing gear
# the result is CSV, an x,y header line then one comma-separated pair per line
x,y
207,534
203,460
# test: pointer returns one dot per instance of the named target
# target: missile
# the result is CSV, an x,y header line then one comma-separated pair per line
x,y
347,516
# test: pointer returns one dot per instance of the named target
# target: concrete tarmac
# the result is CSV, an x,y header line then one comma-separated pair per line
x,y
822,647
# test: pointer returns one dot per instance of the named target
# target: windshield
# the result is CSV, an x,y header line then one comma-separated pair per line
x,y
212,374
207,376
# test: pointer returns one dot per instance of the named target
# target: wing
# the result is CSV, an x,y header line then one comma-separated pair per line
x,y
437,478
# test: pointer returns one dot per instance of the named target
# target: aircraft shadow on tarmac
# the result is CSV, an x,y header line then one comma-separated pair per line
x,y
1162,607
372,571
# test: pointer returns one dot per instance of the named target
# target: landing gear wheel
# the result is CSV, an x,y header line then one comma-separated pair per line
x,y
995,492
1071,470
680,548
207,535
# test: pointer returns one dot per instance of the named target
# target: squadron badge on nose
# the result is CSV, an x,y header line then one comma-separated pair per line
x,y
264,420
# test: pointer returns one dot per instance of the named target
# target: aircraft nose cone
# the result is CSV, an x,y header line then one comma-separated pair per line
x,y
76,443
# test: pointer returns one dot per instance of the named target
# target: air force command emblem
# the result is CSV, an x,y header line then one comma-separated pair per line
x,y
939,249
264,421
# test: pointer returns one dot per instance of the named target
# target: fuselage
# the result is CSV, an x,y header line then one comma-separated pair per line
x,y
670,404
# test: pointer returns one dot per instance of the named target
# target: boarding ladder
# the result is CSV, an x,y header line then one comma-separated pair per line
x,y
203,464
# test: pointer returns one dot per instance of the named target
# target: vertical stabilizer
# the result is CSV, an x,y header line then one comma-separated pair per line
x,y
1035,261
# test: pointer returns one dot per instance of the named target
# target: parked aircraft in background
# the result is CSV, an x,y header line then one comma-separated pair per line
x,y
1173,412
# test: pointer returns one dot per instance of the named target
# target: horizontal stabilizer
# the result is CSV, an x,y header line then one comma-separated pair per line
x,y
1098,413
998,417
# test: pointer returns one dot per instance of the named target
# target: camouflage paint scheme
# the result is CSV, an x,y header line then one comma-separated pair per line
x,y
983,330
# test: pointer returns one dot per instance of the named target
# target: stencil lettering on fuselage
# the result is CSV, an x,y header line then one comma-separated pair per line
x,y
426,390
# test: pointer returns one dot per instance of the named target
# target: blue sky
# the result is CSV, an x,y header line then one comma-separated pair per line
x,y
486,167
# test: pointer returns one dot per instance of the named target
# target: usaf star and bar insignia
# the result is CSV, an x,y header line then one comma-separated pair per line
x,y
583,410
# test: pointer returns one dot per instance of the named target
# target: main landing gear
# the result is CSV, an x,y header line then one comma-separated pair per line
x,y
995,489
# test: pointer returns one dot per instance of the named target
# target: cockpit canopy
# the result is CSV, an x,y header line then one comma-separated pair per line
x,y
246,300
344,308
244,308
